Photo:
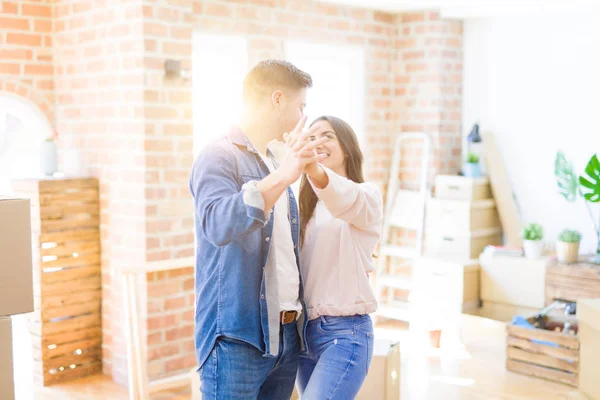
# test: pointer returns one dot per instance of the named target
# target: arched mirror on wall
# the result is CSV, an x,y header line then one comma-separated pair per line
x,y
23,128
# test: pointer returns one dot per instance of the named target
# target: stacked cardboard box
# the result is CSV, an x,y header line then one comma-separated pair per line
x,y
588,314
16,284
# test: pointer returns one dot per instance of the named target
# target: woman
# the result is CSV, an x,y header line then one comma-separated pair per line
x,y
340,226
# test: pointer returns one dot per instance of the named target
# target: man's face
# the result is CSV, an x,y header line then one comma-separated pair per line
x,y
291,109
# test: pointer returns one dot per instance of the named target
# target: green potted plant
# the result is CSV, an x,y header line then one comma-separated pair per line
x,y
471,167
532,240
570,187
567,246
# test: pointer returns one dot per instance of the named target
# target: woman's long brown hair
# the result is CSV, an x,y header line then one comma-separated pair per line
x,y
354,163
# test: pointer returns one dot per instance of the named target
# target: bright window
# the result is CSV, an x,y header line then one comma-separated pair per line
x,y
23,127
338,81
219,65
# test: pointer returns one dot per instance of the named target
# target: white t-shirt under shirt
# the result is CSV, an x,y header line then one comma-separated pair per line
x,y
288,278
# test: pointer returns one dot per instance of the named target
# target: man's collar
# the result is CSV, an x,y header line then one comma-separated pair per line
x,y
237,137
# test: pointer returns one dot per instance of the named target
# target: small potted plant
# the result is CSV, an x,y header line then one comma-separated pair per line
x,y
532,240
471,167
567,246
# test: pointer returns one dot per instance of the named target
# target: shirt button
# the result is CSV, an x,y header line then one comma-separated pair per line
x,y
267,239
262,296
294,221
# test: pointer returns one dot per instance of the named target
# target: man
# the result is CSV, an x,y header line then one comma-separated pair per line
x,y
250,313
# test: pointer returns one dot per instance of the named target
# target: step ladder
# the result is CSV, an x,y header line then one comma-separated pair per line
x,y
404,209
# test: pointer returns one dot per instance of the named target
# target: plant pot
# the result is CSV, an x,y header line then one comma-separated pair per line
x,y
434,338
567,252
48,158
533,249
471,170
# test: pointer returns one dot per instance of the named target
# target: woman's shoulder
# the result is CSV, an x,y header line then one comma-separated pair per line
x,y
371,187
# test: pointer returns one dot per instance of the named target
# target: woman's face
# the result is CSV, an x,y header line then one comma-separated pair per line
x,y
336,159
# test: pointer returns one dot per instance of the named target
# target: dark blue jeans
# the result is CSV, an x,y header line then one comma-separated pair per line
x,y
339,356
237,370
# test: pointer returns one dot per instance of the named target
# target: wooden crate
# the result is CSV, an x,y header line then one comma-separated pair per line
x,y
461,216
66,322
558,363
455,187
572,281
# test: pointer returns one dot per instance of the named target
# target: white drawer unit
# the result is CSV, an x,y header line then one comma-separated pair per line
x,y
455,187
461,216
466,246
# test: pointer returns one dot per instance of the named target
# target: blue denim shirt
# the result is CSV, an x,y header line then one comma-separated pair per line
x,y
236,288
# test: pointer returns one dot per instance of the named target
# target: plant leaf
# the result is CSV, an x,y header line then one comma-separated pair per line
x,y
565,177
593,180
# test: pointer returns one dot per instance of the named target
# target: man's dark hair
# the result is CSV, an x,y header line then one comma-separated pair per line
x,y
270,75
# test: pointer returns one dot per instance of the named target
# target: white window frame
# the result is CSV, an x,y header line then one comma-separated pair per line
x,y
211,56
305,55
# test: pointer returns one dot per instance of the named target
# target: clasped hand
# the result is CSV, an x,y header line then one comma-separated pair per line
x,y
301,153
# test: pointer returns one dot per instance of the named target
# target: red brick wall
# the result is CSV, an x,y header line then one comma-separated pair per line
x,y
267,25
100,117
26,53
428,78
428,88
96,68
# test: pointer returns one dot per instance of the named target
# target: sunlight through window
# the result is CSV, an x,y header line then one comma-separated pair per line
x,y
219,66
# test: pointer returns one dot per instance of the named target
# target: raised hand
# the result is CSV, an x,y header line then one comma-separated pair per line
x,y
301,151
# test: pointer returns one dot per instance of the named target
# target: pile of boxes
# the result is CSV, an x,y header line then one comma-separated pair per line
x,y
461,220
16,284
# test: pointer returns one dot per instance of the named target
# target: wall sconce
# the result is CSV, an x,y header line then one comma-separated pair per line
x,y
173,70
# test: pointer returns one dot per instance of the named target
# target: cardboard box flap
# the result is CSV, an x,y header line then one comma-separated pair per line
x,y
588,311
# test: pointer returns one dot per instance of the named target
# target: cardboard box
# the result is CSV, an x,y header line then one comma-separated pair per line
x,y
383,380
461,216
515,281
503,312
16,281
588,316
195,384
454,187
465,245
7,384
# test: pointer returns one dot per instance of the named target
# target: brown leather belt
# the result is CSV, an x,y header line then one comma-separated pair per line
x,y
287,317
